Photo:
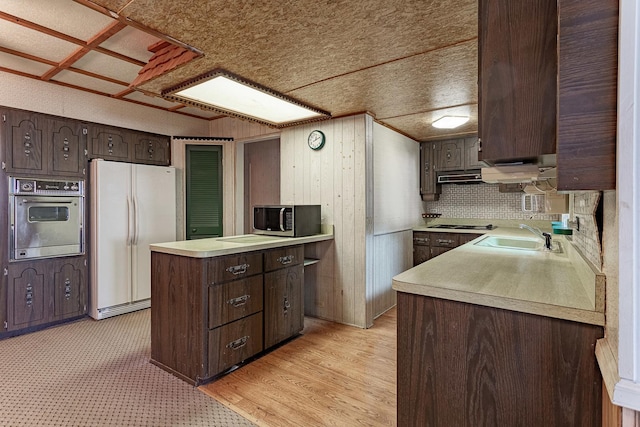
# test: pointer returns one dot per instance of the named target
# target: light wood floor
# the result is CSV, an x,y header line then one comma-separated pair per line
x,y
332,375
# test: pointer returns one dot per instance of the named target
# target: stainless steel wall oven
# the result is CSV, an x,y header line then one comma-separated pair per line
x,y
45,218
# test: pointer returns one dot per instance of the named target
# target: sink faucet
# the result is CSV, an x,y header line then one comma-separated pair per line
x,y
541,234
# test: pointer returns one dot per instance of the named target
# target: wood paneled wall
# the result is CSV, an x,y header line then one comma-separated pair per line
x,y
228,127
336,178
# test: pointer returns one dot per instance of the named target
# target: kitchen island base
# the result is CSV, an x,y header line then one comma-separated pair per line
x,y
468,365
210,315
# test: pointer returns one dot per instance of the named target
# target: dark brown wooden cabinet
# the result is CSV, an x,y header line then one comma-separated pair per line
x,y
429,189
38,144
469,365
430,244
45,291
125,145
449,155
587,94
471,153
536,81
283,294
517,86
211,314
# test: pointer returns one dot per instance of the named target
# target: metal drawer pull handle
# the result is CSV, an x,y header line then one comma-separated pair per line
x,y
285,259
239,343
238,269
239,301
445,241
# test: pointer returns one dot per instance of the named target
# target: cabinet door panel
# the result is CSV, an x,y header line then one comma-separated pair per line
x,y
24,133
109,143
427,170
27,297
234,300
69,288
517,84
420,254
232,343
152,149
449,155
67,143
283,304
471,146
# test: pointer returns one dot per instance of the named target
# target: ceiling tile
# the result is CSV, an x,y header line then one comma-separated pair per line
x,y
64,16
23,65
34,43
109,66
88,82
131,42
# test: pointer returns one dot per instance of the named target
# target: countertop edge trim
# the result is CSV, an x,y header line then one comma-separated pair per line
x,y
530,307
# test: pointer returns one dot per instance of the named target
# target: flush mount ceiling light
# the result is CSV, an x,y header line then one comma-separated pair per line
x,y
232,95
450,122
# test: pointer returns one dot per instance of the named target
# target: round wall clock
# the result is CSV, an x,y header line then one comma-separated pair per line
x,y
316,140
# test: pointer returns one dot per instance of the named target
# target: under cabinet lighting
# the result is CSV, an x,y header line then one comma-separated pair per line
x,y
228,94
450,122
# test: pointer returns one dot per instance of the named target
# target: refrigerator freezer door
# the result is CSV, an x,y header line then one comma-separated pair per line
x,y
111,221
154,198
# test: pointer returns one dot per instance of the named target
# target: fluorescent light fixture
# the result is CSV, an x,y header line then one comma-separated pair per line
x,y
450,122
228,94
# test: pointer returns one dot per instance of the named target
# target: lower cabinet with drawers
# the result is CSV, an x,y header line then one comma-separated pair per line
x,y
211,314
429,244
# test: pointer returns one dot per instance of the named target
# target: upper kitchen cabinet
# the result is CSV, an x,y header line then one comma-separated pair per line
x,y
449,155
151,149
471,153
517,79
124,145
587,98
37,144
548,84
429,189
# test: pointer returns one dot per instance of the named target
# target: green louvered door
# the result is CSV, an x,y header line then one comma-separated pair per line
x,y
204,191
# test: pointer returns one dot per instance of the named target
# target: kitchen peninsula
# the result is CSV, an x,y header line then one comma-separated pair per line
x,y
489,335
221,301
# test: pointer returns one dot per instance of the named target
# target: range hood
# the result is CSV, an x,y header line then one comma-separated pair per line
x,y
459,177
510,174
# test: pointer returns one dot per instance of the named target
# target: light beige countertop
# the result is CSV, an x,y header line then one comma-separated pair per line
x,y
216,246
560,285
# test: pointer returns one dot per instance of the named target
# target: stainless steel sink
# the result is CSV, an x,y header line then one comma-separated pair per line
x,y
517,243
249,239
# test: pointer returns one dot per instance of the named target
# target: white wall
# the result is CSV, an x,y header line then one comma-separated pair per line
x,y
397,207
396,181
42,97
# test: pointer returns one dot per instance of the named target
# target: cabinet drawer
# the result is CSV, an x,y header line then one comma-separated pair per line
x,y
234,300
234,267
447,240
421,238
283,257
232,343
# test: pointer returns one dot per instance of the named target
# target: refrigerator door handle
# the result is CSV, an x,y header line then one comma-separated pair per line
x,y
135,221
129,242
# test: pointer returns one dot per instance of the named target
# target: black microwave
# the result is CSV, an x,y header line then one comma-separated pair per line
x,y
287,220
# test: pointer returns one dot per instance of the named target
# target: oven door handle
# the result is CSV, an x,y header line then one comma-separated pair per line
x,y
57,202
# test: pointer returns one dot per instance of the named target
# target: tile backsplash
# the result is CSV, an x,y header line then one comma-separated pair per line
x,y
587,239
482,201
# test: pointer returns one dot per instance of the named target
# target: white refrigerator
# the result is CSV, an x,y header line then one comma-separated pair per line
x,y
132,206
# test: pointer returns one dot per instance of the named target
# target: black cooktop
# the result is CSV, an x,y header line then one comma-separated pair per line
x,y
463,227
